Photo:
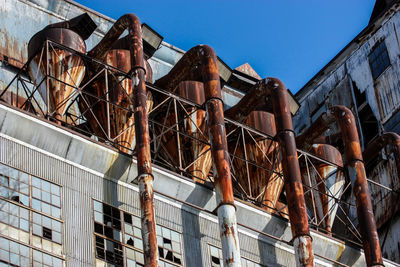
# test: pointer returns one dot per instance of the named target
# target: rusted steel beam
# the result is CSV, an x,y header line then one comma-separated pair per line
x,y
291,170
203,58
355,167
137,73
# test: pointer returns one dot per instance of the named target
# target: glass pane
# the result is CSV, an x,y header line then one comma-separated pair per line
x,y
35,182
24,224
56,226
24,200
46,197
46,186
55,200
24,251
98,206
37,230
46,208
36,193
36,204
37,256
46,222
55,189
23,177
56,212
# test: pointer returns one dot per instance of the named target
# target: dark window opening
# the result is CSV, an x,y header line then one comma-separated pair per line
x,y
127,218
379,59
369,124
215,260
368,121
47,233
98,228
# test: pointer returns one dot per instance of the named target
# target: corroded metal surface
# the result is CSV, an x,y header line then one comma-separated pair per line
x,y
355,166
258,175
291,171
386,203
60,68
326,184
137,72
196,154
116,121
204,58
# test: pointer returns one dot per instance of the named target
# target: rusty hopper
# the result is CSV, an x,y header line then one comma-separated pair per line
x,y
58,71
191,150
115,121
259,176
326,182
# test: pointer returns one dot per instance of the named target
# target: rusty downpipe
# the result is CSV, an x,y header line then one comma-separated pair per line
x,y
302,240
204,57
145,176
355,167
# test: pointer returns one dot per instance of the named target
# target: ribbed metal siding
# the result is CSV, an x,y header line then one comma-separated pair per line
x,y
79,187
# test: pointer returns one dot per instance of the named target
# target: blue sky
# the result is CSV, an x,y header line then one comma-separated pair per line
x,y
288,39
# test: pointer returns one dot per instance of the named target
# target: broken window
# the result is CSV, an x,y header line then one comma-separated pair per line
x,y
379,59
216,259
368,121
30,207
119,239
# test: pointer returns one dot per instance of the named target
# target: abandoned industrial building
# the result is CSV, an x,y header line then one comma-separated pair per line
x,y
119,149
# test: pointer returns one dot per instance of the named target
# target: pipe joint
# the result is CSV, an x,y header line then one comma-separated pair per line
x,y
143,175
222,203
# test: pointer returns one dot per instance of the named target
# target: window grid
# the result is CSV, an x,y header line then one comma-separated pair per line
x,y
17,254
379,60
21,220
118,239
217,260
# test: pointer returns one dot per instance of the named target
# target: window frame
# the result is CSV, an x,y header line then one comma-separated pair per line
x,y
377,57
31,211
123,234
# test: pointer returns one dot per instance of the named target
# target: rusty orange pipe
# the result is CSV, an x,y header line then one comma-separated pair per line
x,y
137,72
204,58
291,171
355,166
356,170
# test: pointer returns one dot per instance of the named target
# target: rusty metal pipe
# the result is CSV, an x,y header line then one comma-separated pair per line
x,y
291,170
355,167
316,130
380,142
204,57
145,177
247,104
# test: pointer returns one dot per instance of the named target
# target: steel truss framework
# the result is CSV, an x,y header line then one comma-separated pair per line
x,y
169,118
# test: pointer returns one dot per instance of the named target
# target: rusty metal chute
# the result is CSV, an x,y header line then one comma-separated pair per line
x,y
190,150
202,59
58,71
257,162
114,122
325,182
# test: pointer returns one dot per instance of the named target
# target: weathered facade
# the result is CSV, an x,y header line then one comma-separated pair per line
x,y
113,156
364,76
